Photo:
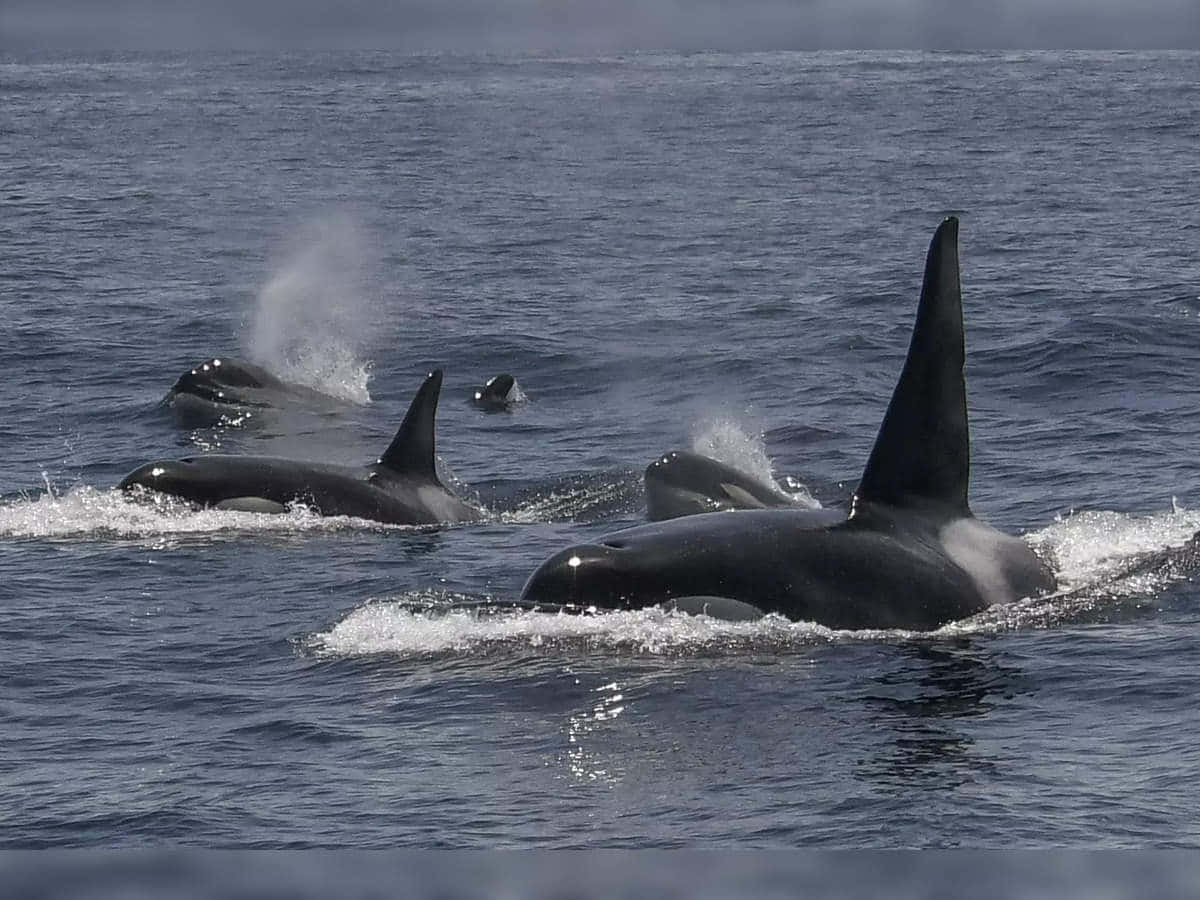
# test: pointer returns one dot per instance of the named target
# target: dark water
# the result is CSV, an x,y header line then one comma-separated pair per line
x,y
710,251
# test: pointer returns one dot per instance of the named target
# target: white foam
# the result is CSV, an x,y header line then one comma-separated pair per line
x,y
394,626
332,368
1092,546
85,512
1089,545
401,626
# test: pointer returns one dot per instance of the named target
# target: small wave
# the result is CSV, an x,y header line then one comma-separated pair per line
x,y
587,500
423,625
1108,564
1111,561
1089,546
414,625
86,512
518,396
402,627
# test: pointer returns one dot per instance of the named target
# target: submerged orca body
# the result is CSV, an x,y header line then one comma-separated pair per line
x,y
401,487
908,555
500,393
225,389
683,483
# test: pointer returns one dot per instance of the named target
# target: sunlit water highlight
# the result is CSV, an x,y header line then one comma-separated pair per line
x,y
718,251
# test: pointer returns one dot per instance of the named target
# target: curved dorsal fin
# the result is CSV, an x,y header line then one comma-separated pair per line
x,y
922,453
411,451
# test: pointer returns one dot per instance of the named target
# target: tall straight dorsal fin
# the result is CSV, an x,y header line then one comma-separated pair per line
x,y
411,451
922,454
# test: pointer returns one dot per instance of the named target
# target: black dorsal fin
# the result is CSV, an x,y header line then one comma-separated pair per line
x,y
411,451
922,453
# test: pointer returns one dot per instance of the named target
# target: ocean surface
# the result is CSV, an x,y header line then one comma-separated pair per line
x,y
711,251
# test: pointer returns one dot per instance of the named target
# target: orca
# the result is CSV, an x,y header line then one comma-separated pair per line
x,y
224,390
909,554
683,483
499,394
401,487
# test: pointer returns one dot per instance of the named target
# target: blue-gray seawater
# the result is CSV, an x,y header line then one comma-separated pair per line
x,y
719,252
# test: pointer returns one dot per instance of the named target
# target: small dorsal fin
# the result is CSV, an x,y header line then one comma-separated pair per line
x,y
922,453
412,450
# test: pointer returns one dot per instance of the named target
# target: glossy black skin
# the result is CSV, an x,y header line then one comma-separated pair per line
x,y
402,487
224,388
500,394
884,569
683,483
909,554
372,492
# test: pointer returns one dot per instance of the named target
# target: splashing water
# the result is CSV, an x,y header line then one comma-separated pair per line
x,y
727,442
401,626
1098,552
1091,545
312,319
85,513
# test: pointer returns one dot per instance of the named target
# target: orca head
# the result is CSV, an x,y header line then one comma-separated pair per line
x,y
219,379
676,486
623,573
193,478
499,393
683,483
607,574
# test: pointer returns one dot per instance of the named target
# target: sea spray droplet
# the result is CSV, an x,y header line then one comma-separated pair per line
x,y
312,319
726,441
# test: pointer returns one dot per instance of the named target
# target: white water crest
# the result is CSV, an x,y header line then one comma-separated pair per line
x,y
1093,547
1090,545
312,320
400,626
87,513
